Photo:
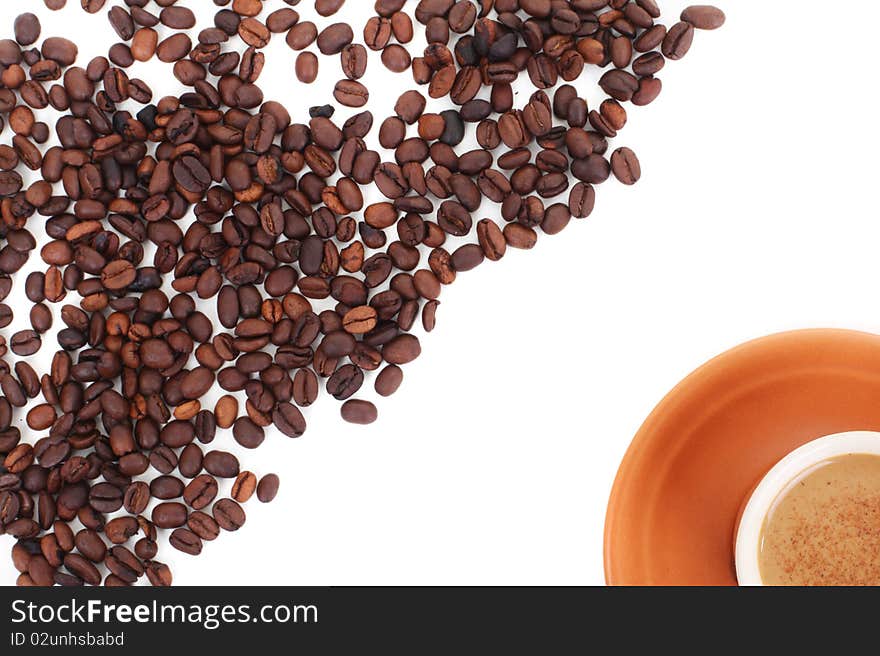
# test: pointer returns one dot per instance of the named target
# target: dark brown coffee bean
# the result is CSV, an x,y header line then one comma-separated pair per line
x,y
229,515
702,17
27,29
201,491
377,32
389,380
169,515
648,64
649,89
351,93
678,41
625,166
356,411
334,38
302,35
59,50
92,6
267,488
305,388
166,487
287,417
581,200
354,61
137,497
203,525
246,433
520,236
174,48
221,464
25,342
282,20
186,541
158,573
618,84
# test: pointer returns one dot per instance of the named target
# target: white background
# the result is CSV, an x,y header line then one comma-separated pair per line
x,y
493,463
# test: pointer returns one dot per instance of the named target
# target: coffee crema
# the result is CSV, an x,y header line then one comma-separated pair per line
x,y
824,527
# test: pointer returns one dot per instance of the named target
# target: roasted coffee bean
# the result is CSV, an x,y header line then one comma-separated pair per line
x,y
229,515
244,486
581,200
221,464
27,29
334,38
287,417
158,573
169,515
305,388
625,166
201,491
389,380
678,41
302,35
25,342
356,411
247,434
702,17
267,488
354,61
351,93
226,411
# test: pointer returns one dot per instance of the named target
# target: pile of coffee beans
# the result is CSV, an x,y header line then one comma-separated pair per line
x,y
217,196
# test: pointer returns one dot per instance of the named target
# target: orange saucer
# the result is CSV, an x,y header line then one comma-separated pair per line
x,y
677,496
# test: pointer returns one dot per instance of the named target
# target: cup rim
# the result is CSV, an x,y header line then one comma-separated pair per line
x,y
751,522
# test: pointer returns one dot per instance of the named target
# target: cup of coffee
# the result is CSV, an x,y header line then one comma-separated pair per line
x,y
814,519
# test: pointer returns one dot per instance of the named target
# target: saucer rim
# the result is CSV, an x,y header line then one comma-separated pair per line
x,y
617,562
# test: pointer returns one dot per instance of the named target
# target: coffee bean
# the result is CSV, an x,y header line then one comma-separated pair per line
x,y
702,17
186,541
200,492
288,418
334,38
302,35
625,166
27,29
247,434
221,464
25,342
244,486
351,93
59,50
354,61
267,488
158,573
229,515
282,20
395,58
226,411
389,380
203,525
92,6
581,200
169,515
678,41
356,411
402,349
174,48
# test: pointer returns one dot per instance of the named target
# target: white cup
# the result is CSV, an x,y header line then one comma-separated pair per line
x,y
776,482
